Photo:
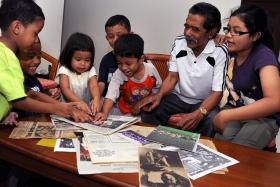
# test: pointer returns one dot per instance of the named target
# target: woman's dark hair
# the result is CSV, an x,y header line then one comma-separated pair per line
x,y
211,13
76,42
255,19
129,45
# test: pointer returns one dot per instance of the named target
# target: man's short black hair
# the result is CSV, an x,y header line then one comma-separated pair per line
x,y
26,11
129,45
211,13
76,42
118,19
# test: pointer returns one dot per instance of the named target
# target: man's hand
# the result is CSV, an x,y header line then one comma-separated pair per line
x,y
186,121
136,108
150,102
175,119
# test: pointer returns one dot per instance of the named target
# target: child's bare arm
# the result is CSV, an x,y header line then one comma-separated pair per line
x,y
61,109
106,108
94,91
101,86
41,97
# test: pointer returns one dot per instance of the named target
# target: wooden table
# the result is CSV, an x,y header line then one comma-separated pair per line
x,y
256,167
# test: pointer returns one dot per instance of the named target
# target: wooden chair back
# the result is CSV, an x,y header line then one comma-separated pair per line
x,y
160,61
54,64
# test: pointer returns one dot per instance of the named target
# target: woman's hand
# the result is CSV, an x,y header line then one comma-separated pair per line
x,y
220,121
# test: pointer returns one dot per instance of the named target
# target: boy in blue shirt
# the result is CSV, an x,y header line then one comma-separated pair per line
x,y
20,23
115,26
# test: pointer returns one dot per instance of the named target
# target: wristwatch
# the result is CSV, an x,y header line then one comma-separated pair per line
x,y
203,111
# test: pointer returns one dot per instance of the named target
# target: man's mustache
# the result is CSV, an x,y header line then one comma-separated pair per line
x,y
190,39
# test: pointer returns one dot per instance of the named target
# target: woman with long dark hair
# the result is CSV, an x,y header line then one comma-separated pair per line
x,y
252,120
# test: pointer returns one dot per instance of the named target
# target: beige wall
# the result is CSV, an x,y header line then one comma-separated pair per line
x,y
157,21
52,32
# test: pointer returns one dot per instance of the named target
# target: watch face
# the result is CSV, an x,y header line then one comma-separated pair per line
x,y
203,110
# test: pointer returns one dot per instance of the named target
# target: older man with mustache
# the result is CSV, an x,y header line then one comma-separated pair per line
x,y
189,96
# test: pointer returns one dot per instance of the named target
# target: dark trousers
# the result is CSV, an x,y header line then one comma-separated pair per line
x,y
172,104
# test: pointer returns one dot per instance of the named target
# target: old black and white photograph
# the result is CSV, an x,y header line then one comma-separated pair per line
x,y
204,161
161,168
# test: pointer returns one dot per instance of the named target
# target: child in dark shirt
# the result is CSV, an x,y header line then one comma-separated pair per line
x,y
115,26
29,62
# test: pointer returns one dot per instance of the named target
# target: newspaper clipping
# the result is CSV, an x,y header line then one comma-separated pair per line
x,y
31,129
85,165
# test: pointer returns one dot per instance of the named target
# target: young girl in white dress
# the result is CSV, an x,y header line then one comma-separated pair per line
x,y
77,76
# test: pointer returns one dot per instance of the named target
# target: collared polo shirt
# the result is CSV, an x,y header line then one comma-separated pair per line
x,y
198,75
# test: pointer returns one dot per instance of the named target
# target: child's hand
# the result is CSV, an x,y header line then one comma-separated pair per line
x,y
100,117
70,110
55,93
95,106
82,106
81,116
10,119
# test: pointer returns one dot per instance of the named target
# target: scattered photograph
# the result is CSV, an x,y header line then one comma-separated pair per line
x,y
113,124
174,137
62,125
64,145
204,161
161,168
134,137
